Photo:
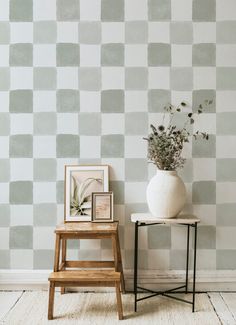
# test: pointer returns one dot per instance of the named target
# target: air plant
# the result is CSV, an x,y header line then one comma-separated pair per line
x,y
80,201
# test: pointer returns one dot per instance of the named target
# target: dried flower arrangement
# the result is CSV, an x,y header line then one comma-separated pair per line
x,y
165,143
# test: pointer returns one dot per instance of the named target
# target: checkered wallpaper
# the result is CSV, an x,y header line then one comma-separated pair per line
x,y
80,82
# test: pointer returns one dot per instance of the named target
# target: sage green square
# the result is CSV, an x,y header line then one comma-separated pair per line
x,y
134,208
68,101
226,170
21,192
90,79
204,192
204,10
45,78
21,101
45,214
112,54
225,215
206,237
181,79
45,170
21,237
204,148
159,237
112,146
204,54
199,97
225,123
181,33
118,188
45,123
224,33
159,54
158,99
178,259
4,215
21,55
226,78
60,192
21,10
5,259
112,101
4,170
187,172
43,259
90,32
90,124
159,10
4,32
136,32
136,170
136,123
225,259
68,10
68,145
45,32
4,124
21,146
142,260
112,10
68,54
136,78
4,79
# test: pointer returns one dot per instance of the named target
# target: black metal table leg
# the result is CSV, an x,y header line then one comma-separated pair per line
x,y
187,261
135,265
194,264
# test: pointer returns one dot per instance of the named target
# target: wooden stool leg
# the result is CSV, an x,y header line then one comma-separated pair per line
x,y
120,266
63,260
51,300
119,302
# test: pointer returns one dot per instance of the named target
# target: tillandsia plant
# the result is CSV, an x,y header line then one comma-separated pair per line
x,y
165,143
80,201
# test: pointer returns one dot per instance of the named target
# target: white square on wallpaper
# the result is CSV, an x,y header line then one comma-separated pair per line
x,y
4,145
181,10
157,118
44,10
44,146
136,9
4,237
225,192
135,147
21,214
204,78
90,147
204,32
113,123
226,55
159,78
136,55
159,32
44,55
4,10
47,233
225,237
4,100
21,258
225,101
178,97
225,10
21,169
44,192
44,101
204,169
21,32
158,259
136,101
4,190
90,10
90,55
113,32
21,78
205,122
67,123
223,150
113,78
135,192
207,213
181,55
116,168
67,78
67,32
90,101
4,57
21,123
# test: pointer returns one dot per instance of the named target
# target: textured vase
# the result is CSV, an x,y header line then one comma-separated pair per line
x,y
166,194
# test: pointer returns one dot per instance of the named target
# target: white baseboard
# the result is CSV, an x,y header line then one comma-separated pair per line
x,y
217,280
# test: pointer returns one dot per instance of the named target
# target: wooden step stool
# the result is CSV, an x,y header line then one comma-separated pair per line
x,y
64,277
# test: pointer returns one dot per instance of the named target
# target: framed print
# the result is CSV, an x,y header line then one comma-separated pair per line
x,y
102,207
80,183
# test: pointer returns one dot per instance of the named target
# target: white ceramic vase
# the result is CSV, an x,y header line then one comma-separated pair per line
x,y
166,194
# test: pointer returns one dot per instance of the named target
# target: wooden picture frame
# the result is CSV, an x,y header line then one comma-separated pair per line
x,y
102,207
80,182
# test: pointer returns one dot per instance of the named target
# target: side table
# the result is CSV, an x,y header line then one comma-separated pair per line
x,y
146,219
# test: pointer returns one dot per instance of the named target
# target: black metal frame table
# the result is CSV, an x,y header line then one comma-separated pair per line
x,y
146,219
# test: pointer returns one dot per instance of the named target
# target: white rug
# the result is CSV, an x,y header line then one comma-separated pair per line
x,y
100,308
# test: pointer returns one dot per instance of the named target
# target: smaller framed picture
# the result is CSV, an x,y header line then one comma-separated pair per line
x,y
102,206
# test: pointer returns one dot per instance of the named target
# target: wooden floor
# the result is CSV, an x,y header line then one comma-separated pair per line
x,y
224,304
